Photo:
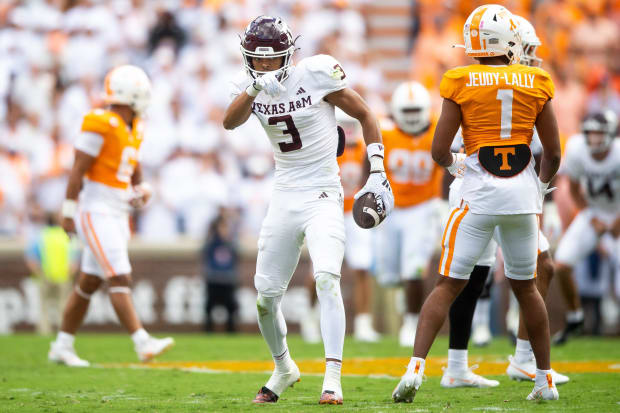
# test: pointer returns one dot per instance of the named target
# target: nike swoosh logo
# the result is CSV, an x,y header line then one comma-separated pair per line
x,y
531,376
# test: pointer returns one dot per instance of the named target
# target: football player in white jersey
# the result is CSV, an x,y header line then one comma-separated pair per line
x,y
295,104
592,164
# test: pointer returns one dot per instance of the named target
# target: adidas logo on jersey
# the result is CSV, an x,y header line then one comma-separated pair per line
x,y
323,195
300,91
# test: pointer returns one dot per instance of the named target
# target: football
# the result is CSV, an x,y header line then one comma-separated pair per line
x,y
368,211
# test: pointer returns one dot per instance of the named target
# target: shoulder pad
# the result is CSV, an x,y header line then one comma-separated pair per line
x,y
324,64
99,121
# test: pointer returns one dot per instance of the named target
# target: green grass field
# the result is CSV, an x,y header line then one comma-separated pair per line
x,y
29,383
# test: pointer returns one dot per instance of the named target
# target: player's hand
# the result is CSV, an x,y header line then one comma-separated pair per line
x,y
141,195
543,189
599,226
68,225
378,184
269,84
457,169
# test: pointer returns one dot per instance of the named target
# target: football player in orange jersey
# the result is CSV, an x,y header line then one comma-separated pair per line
x,y
107,178
357,248
497,103
413,228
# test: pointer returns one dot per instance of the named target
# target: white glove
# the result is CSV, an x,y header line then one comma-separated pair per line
x,y
378,184
543,188
141,194
457,169
268,83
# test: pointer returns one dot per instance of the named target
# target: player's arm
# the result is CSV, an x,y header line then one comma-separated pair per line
x,y
447,127
142,191
238,112
547,127
354,105
81,165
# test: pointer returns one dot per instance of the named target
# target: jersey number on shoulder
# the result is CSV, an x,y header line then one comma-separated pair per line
x,y
291,129
126,167
505,97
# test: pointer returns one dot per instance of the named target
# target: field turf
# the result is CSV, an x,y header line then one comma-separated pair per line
x,y
29,383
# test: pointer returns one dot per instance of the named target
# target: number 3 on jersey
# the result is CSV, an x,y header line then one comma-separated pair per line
x,y
291,129
505,97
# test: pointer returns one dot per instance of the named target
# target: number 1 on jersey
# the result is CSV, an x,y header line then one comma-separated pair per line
x,y
505,96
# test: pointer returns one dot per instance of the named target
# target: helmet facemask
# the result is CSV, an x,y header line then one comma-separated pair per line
x,y
597,133
267,37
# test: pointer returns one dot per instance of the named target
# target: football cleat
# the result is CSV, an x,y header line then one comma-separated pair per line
x,y
279,381
409,384
330,397
481,336
265,395
153,347
466,378
572,329
548,391
65,355
527,371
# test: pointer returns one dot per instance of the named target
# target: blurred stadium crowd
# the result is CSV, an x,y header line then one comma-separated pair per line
x,y
54,54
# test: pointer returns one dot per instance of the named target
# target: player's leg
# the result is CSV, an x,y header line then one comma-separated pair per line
x,y
481,322
279,247
465,237
578,241
523,364
62,349
518,238
325,237
458,373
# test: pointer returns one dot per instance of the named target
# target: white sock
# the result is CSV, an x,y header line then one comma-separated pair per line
x,y
332,377
541,377
273,327
333,323
283,361
410,318
65,339
457,360
139,336
523,351
574,316
482,312
416,363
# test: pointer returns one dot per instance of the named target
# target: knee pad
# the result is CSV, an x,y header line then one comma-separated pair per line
x,y
267,305
327,285
269,286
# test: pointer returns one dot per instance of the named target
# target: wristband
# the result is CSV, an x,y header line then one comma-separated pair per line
x,y
252,91
69,208
376,164
375,149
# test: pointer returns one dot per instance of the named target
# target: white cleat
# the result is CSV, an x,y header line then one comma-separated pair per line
x,y
481,336
527,371
548,391
363,330
408,386
280,381
406,336
153,347
466,378
65,355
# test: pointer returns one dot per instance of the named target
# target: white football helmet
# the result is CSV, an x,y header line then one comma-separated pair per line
x,y
491,30
128,85
529,41
411,107
599,130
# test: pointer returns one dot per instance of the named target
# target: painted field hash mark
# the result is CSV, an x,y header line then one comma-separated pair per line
x,y
381,367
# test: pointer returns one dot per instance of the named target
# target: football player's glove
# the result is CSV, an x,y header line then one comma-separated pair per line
x,y
378,184
543,189
268,83
457,169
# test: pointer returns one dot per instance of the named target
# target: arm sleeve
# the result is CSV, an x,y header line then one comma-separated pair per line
x,y
89,143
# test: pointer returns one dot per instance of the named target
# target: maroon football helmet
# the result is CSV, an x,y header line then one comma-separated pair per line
x,y
270,37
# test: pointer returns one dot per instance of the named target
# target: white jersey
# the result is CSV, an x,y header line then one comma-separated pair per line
x,y
600,180
300,124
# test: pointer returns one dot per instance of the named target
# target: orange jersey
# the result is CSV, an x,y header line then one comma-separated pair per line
x,y
499,104
351,164
414,176
118,157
